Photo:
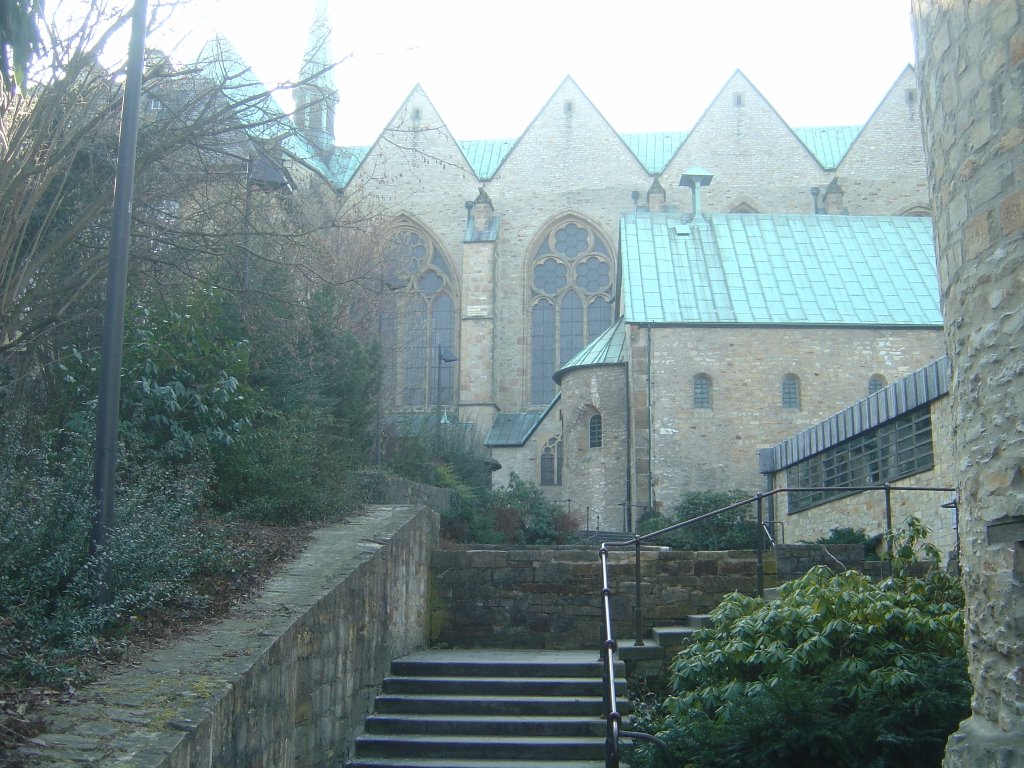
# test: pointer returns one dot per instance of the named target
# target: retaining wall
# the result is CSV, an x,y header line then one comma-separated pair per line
x,y
285,682
549,597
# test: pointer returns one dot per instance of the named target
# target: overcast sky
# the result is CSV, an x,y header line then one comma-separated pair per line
x,y
648,65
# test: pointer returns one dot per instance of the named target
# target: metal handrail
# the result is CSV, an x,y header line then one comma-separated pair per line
x,y
614,730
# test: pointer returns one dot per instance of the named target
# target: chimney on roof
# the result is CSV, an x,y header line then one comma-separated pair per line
x,y
656,197
695,178
832,200
482,213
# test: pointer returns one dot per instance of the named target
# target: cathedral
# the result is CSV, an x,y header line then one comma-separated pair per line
x,y
627,317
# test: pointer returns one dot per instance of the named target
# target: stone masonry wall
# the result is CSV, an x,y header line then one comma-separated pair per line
x,y
714,448
285,682
971,70
549,597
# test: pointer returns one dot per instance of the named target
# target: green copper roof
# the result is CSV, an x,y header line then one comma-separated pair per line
x,y
484,157
829,145
260,115
607,349
654,150
779,269
514,429
344,163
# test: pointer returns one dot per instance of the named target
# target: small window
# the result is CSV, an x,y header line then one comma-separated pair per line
x,y
701,391
596,436
876,383
791,391
568,106
551,463
416,114
737,99
911,96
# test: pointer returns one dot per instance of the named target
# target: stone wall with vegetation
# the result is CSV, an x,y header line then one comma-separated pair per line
x,y
286,682
549,597
971,70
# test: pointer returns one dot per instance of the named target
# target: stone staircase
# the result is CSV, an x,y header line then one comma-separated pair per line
x,y
660,643
488,709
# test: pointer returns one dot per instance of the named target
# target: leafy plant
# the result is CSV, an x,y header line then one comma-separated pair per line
x,y
524,515
735,529
822,670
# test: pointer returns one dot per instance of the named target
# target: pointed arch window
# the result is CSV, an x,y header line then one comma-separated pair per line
x,y
571,280
423,330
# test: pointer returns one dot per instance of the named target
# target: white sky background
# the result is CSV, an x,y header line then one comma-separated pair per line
x,y
489,67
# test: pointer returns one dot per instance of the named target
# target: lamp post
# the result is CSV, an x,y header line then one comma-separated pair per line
x,y
105,459
387,285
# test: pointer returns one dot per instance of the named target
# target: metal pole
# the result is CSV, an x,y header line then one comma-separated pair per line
x,y
760,545
105,458
888,517
638,611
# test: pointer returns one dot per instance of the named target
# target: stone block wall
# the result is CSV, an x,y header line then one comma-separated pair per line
x,y
549,597
714,448
285,682
971,70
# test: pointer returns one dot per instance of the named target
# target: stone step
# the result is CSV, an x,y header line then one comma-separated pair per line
x,y
489,709
524,748
478,725
426,762
492,705
496,686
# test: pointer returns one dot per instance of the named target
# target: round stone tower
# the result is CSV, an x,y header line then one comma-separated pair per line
x,y
971,72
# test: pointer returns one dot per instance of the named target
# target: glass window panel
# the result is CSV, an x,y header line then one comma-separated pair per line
x,y
596,431
414,354
701,391
542,352
594,274
444,335
550,276
599,317
790,391
570,327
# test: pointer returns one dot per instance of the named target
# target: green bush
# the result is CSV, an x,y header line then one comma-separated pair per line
x,y
522,514
48,619
735,529
840,670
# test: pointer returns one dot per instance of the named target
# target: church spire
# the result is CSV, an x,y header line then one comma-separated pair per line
x,y
316,97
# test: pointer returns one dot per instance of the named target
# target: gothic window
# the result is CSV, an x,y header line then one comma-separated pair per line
x,y
572,277
876,383
701,391
791,391
423,330
551,462
596,436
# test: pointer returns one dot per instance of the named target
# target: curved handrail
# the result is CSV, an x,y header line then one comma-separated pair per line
x,y
609,645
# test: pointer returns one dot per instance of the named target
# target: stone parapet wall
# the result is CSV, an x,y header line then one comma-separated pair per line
x,y
285,682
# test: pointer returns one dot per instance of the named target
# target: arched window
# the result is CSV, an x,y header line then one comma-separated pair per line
x,y
790,391
551,462
571,280
596,434
876,383
701,391
423,328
